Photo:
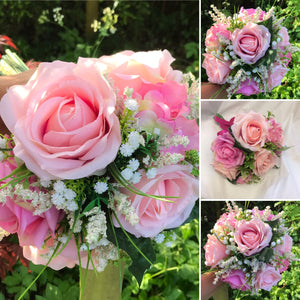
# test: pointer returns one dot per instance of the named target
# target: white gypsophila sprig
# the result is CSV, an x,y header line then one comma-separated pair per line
x,y
218,16
133,143
6,192
168,158
100,187
103,254
175,141
77,227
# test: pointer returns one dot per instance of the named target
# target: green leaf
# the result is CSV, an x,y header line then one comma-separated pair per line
x,y
38,297
52,292
12,280
139,263
72,293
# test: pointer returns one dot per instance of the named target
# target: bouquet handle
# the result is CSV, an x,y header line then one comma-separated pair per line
x,y
105,285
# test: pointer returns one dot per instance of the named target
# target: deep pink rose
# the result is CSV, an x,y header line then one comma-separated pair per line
x,y
156,215
212,35
286,246
264,161
248,88
16,216
285,38
237,280
251,12
275,132
251,42
267,278
276,75
252,236
216,69
250,130
214,251
63,120
131,69
167,100
230,173
227,220
225,152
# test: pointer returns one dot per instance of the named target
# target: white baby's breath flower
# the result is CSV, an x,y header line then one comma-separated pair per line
x,y
133,164
131,104
100,187
151,173
127,173
136,177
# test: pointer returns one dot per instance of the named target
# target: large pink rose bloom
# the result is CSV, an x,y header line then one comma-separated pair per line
x,y
156,215
63,120
225,152
16,216
217,70
252,236
213,33
131,69
237,280
214,251
230,173
264,161
250,130
251,42
267,278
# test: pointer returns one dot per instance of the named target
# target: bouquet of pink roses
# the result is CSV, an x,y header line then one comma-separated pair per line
x,y
247,147
249,51
103,156
249,249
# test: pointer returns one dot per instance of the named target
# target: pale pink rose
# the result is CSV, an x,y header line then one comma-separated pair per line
x,y
286,246
156,215
285,38
248,88
276,75
251,42
237,280
67,258
213,33
275,132
226,222
250,130
225,152
16,216
216,69
267,278
242,180
252,236
167,100
131,69
63,120
264,161
230,173
214,251
251,12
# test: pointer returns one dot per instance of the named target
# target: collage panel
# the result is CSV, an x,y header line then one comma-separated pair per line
x,y
249,250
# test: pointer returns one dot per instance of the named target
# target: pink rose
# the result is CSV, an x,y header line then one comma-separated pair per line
x,y
264,161
251,12
252,236
283,265
283,33
230,173
131,69
67,258
242,180
156,215
250,130
63,120
251,42
16,216
167,100
276,75
227,220
266,278
214,251
213,33
225,152
286,246
216,69
237,280
248,88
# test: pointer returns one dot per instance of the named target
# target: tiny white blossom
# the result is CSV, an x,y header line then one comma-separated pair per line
x,y
136,177
151,173
159,238
133,164
127,173
69,194
134,139
2,156
59,186
126,149
156,131
131,104
100,187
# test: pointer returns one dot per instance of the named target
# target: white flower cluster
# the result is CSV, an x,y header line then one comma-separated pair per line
x,y
103,254
62,197
168,158
100,187
133,143
175,140
130,173
192,86
123,205
2,146
218,16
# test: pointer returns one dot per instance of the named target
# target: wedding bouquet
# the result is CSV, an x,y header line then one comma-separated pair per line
x,y
103,156
247,147
249,249
249,51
